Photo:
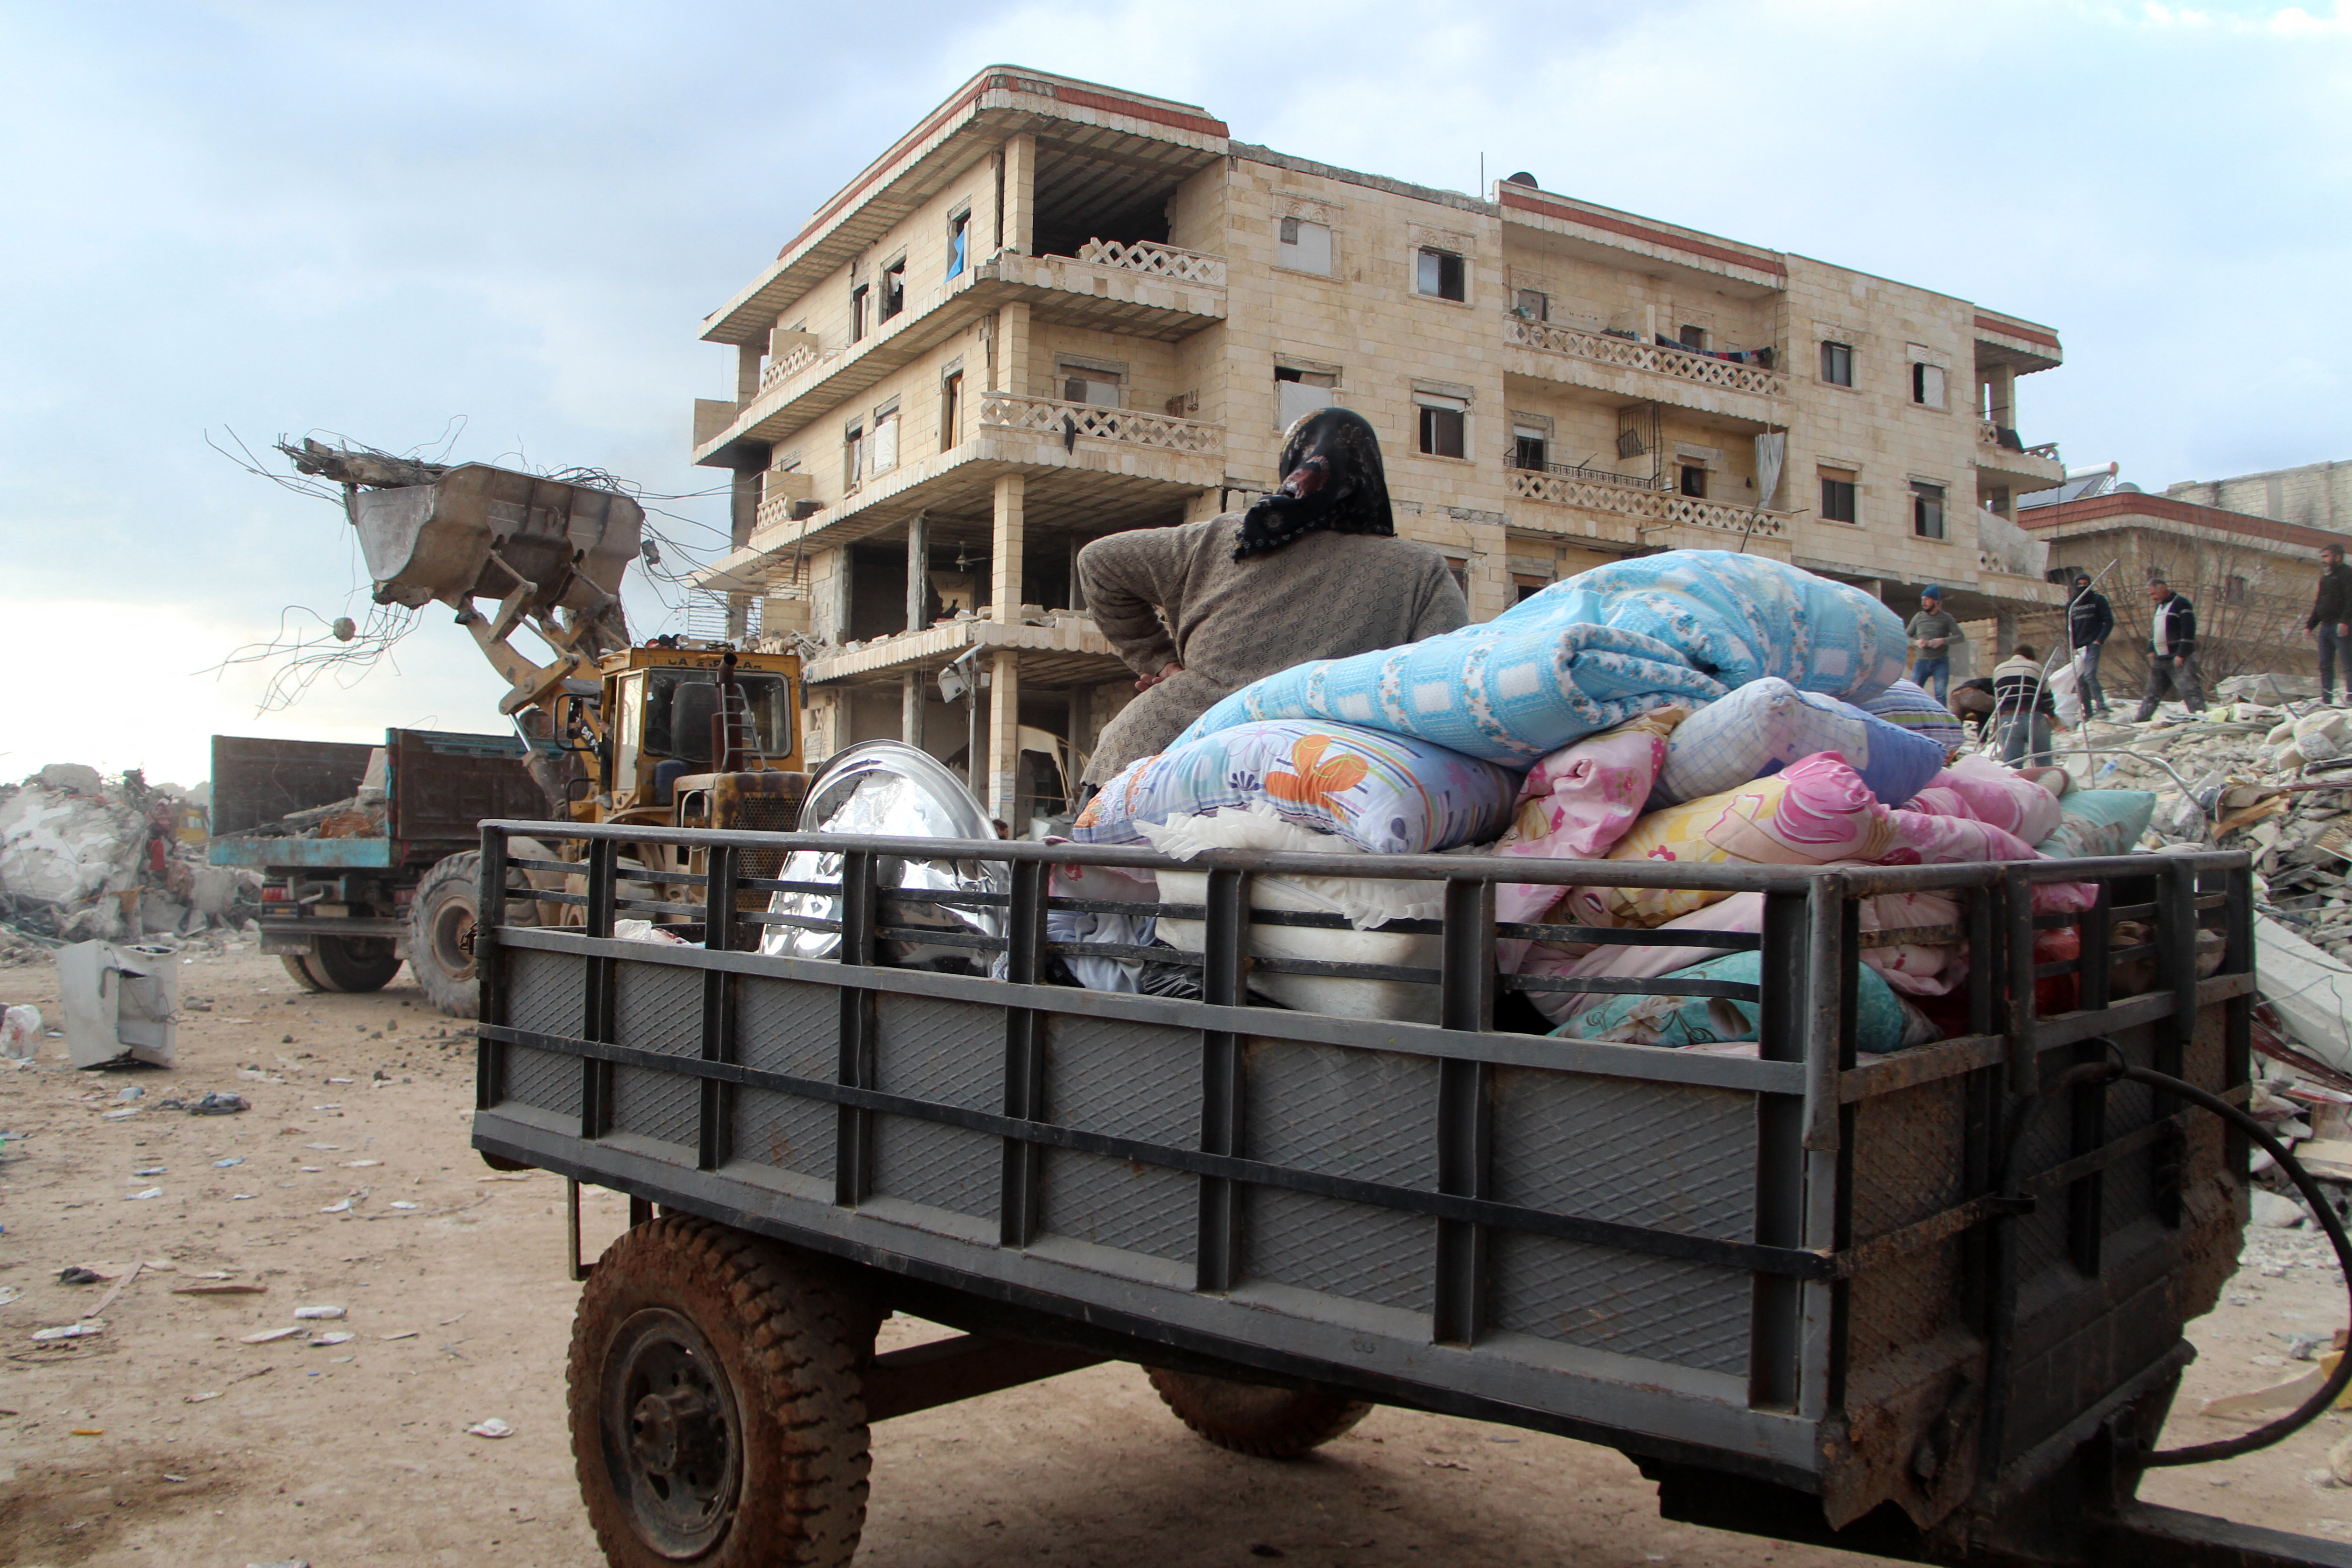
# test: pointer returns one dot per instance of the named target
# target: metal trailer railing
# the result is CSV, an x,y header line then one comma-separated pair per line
x,y
1816,1293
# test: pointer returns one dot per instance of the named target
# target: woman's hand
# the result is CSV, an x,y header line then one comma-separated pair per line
x,y
1145,683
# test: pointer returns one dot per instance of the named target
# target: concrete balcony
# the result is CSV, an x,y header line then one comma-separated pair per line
x,y
1140,291
1090,467
1617,511
1649,373
2018,466
1064,652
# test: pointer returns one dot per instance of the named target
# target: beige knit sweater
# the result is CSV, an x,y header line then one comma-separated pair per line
x,y
1163,595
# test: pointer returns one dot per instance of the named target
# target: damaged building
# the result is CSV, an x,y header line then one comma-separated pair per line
x,y
1054,310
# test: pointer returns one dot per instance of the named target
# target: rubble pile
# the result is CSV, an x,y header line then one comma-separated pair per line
x,y
83,858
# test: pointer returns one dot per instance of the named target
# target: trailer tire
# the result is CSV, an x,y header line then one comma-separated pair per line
x,y
349,964
718,1402
1250,1418
299,965
439,919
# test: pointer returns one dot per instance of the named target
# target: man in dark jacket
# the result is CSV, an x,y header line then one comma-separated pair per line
x,y
2089,619
2171,644
2331,621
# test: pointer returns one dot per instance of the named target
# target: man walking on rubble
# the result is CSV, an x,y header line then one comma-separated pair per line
x,y
2331,621
2090,619
1932,634
2172,647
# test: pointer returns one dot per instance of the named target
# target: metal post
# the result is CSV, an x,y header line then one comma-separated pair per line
x,y
1773,1330
490,913
719,931
1465,1117
600,976
1025,1056
853,1160
2024,1063
1224,960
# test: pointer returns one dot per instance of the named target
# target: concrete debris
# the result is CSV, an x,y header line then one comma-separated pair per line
x,y
84,858
121,1004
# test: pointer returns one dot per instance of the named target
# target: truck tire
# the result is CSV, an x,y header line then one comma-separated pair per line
x,y
352,962
298,965
718,1405
1249,1418
440,917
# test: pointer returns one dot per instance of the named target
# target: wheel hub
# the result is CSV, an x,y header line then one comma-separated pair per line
x,y
673,1433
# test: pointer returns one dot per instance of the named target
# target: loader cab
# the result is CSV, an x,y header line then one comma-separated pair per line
x,y
661,702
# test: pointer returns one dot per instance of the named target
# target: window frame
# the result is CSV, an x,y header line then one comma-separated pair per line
x,y
1095,372
959,241
852,459
1290,255
1421,253
1519,298
1920,372
950,405
1690,480
858,293
1852,498
894,290
1926,495
1432,410
886,414
1836,356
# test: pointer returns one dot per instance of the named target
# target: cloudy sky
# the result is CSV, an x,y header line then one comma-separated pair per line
x,y
507,219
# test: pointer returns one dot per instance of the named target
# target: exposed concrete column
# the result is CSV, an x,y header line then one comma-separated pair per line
x,y
1021,193
1004,549
747,370
918,566
1012,360
2001,396
743,515
2004,631
1004,737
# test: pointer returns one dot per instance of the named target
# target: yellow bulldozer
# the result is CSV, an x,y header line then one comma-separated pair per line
x,y
670,733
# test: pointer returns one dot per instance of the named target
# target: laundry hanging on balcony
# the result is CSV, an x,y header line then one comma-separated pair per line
x,y
1770,452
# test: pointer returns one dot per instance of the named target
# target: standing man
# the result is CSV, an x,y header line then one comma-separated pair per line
x,y
1932,634
2171,644
2331,621
2089,619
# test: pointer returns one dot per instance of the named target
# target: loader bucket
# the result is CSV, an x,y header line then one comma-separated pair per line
x,y
446,540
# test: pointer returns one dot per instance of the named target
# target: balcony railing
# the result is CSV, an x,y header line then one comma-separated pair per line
x,y
1577,471
2007,440
1160,260
1070,421
1647,504
1601,349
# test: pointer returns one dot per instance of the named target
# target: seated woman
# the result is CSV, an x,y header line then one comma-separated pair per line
x,y
1314,570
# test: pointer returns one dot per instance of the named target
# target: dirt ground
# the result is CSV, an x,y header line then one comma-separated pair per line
x,y
168,1439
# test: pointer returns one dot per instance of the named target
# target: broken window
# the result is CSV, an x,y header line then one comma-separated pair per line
x,y
857,313
1926,509
1096,384
1440,274
882,446
1691,480
1530,445
1532,305
1837,364
894,288
1838,495
1444,423
951,408
1692,338
1297,394
1928,385
852,456
1306,246
958,239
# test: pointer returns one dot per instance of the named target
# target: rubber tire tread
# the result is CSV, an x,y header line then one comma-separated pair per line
x,y
339,974
1251,1418
298,965
457,875
793,1336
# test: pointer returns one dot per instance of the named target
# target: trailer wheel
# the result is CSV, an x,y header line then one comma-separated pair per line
x,y
440,917
299,965
352,962
1249,1418
718,1408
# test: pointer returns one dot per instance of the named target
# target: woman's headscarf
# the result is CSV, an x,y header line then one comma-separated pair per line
x,y
1331,478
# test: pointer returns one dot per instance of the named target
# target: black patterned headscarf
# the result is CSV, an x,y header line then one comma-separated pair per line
x,y
1331,478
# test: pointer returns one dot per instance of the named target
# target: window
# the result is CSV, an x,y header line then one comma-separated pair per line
x,y
1093,385
1440,274
1837,364
1691,480
1306,246
1838,495
1457,566
1297,394
1527,585
959,240
1926,509
1530,445
2233,589
894,288
1692,338
1532,305
951,408
857,313
882,446
1928,385
1444,423
852,456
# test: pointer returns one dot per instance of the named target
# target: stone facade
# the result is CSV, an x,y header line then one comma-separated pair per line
x,y
2317,495
1054,310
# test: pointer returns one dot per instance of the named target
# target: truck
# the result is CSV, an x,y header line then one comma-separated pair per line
x,y
1928,1304
672,732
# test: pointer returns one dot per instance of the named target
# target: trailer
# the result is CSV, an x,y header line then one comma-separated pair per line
x,y
1927,1304
344,911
